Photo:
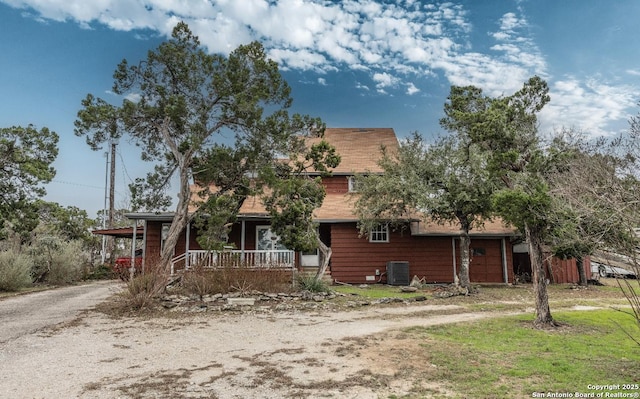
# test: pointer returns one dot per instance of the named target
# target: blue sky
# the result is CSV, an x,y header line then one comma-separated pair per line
x,y
352,63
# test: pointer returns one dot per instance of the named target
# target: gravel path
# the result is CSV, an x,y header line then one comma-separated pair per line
x,y
211,355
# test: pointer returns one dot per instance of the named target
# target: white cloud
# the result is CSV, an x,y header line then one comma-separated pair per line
x,y
412,89
322,81
593,106
394,43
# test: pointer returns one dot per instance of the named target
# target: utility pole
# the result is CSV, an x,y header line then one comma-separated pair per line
x,y
104,211
112,190
112,182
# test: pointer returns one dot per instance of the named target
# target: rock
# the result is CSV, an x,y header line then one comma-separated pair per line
x,y
241,301
169,304
409,289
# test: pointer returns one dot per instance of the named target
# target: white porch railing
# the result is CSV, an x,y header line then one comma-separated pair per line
x,y
235,258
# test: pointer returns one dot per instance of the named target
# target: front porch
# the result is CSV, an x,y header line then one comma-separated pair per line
x,y
253,259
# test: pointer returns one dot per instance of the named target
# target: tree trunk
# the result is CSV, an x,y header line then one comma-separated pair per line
x,y
465,260
543,313
325,257
179,222
582,273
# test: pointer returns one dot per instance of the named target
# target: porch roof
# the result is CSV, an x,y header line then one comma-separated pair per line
x,y
153,216
122,232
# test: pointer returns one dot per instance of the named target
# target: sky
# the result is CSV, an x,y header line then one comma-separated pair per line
x,y
354,63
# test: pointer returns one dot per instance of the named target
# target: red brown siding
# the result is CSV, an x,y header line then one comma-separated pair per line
x,y
354,258
336,184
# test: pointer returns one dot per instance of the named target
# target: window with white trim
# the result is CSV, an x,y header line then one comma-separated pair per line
x,y
380,233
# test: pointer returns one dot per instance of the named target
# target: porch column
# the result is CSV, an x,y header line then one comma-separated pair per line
x,y
186,246
242,236
144,245
132,267
453,253
503,255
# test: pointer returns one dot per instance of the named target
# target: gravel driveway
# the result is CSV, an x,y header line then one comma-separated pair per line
x,y
256,354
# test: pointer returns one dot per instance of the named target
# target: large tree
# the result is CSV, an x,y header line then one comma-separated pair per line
x,y
505,128
26,155
181,101
447,181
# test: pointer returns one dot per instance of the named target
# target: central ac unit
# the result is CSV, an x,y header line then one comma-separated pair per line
x,y
398,273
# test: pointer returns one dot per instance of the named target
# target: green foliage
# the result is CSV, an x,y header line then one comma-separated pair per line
x,y
15,270
186,101
448,182
295,191
71,223
311,284
26,155
57,261
100,272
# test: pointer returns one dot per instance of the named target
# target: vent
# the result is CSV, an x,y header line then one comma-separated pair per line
x,y
398,273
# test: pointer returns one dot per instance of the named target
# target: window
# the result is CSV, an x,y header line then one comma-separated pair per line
x,y
379,233
478,251
353,185
266,240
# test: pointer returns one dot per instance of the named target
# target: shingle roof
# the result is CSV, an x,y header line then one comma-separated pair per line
x,y
359,148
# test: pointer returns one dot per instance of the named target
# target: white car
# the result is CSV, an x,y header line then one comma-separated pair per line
x,y
611,271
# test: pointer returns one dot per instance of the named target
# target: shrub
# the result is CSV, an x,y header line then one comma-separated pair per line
x,y
235,278
309,283
57,261
142,290
100,272
15,270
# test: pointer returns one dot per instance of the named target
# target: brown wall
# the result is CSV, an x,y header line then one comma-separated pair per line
x,y
336,184
487,267
430,258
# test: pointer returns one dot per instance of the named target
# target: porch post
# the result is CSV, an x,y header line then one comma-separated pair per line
x,y
132,267
186,246
144,244
242,238
453,253
503,255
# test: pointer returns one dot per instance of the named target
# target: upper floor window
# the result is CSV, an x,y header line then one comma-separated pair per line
x,y
380,233
353,185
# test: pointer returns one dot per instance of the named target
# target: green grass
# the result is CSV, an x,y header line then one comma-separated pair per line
x,y
507,358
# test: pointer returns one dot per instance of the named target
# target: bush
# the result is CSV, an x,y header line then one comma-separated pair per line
x,y
309,283
57,261
15,270
238,278
142,290
100,272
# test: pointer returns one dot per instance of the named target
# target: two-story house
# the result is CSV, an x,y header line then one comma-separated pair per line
x,y
426,250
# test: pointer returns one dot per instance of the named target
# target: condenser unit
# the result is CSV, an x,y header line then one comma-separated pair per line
x,y
398,273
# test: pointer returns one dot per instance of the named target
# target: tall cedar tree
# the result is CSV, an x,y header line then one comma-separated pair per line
x,y
182,103
26,155
505,128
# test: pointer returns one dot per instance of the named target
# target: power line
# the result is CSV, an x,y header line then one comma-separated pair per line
x,y
77,184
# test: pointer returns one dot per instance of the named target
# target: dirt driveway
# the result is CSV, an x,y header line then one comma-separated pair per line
x,y
256,354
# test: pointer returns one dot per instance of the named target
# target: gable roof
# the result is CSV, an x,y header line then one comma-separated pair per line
x,y
359,148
